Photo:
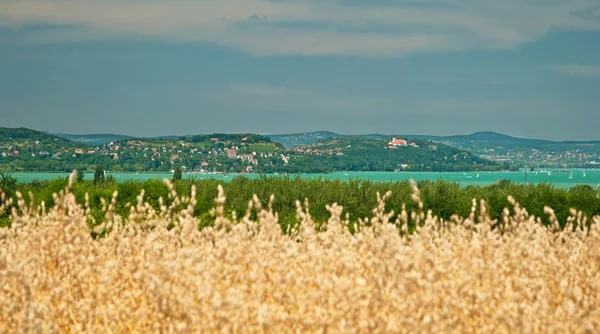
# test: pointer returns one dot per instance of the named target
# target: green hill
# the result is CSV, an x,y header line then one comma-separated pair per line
x,y
305,138
30,150
92,139
488,145
24,136
360,154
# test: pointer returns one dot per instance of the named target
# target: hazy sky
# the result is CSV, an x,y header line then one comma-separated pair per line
x,y
529,68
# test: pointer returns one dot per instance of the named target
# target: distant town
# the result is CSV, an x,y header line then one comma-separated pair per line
x,y
29,150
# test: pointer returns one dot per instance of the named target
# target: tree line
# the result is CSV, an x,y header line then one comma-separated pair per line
x,y
358,197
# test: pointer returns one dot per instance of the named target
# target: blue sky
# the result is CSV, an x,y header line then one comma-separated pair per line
x,y
150,67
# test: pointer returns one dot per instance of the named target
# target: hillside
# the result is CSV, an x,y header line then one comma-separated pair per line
x,y
19,142
92,139
24,136
489,145
305,138
493,146
228,153
359,154
30,150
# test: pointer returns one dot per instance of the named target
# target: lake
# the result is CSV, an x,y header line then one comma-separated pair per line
x,y
559,178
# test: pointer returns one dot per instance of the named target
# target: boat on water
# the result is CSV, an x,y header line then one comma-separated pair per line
x,y
571,175
477,175
549,173
583,174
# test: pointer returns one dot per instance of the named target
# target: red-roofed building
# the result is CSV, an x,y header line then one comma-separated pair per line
x,y
232,153
397,142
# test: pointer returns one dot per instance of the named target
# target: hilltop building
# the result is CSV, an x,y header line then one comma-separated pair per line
x,y
397,142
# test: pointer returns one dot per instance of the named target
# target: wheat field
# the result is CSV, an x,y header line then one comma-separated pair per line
x,y
155,271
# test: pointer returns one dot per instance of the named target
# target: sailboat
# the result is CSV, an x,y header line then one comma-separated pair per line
x,y
477,175
571,176
583,174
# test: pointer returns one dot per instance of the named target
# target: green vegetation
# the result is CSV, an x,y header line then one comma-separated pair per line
x,y
80,176
93,139
177,174
98,175
28,150
316,152
302,139
357,154
489,145
357,197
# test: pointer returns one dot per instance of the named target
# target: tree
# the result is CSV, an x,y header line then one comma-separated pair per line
x,y
8,184
98,174
177,174
79,176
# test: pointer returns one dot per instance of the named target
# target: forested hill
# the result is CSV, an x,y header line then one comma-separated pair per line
x,y
488,145
92,139
300,139
26,138
29,150
360,154
486,139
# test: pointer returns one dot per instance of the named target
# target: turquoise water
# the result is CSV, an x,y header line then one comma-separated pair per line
x,y
560,179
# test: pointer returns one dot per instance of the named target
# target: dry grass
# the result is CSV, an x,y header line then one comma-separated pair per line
x,y
247,276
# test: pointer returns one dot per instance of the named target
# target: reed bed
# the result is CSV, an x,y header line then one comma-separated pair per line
x,y
156,271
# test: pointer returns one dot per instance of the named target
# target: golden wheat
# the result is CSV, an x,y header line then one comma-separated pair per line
x,y
155,271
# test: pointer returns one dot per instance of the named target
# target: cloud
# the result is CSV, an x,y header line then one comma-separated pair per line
x,y
301,27
460,80
297,108
590,13
579,70
262,90
286,99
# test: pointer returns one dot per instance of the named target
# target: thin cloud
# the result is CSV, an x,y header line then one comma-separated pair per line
x,y
262,90
460,80
591,13
300,27
302,100
579,70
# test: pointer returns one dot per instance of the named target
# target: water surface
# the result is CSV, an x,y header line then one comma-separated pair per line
x,y
560,179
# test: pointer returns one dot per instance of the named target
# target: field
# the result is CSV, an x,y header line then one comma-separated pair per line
x,y
157,271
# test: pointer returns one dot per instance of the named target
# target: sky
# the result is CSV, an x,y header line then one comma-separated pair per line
x,y
528,68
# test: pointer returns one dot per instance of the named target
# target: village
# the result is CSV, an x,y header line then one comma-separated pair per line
x,y
228,152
